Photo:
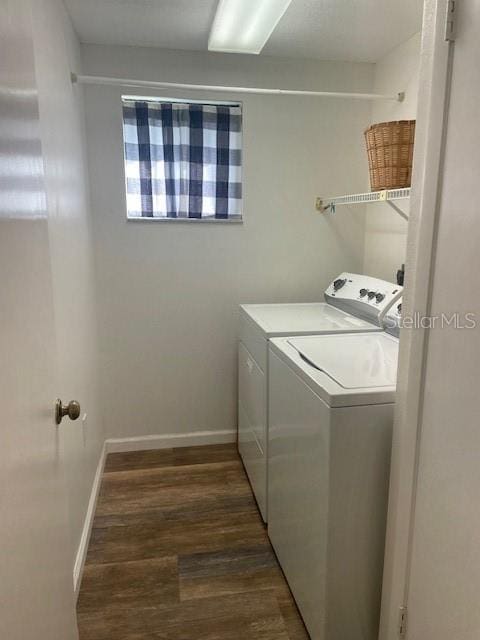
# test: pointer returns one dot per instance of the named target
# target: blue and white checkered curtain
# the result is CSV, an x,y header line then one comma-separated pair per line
x,y
183,160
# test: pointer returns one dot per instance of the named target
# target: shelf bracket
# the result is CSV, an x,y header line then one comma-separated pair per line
x,y
397,209
322,206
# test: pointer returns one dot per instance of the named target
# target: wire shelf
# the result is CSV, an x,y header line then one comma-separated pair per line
x,y
388,195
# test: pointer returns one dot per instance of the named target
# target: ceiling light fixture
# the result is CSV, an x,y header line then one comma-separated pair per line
x,y
244,26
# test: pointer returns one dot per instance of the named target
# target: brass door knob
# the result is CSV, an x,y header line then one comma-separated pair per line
x,y
72,410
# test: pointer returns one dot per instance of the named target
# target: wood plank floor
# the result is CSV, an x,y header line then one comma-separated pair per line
x,y
179,552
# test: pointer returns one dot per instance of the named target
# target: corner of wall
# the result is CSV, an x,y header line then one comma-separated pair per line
x,y
386,231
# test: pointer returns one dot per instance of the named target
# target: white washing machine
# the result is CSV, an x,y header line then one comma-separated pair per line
x,y
354,303
331,406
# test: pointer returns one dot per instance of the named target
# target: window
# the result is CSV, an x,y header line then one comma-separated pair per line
x,y
183,160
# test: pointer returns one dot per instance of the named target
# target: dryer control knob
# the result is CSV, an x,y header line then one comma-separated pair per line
x,y
339,283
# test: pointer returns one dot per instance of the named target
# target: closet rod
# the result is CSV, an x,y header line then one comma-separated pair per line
x,y
128,82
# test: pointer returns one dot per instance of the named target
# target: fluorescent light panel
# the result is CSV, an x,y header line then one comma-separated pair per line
x,y
244,26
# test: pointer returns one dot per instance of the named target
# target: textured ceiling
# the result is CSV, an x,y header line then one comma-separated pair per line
x,y
357,30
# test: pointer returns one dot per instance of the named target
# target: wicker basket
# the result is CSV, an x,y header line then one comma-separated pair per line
x,y
390,154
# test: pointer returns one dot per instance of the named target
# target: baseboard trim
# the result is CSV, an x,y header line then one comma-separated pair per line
x,y
88,523
168,440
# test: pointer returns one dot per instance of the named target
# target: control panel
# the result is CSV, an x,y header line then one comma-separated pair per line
x,y
393,319
362,296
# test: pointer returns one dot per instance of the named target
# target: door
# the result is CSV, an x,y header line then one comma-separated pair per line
x,y
436,53
444,584
36,595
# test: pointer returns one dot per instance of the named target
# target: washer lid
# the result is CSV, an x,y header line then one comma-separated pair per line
x,y
304,318
362,361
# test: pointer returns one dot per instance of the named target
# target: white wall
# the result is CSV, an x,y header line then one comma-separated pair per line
x,y
71,246
168,293
386,231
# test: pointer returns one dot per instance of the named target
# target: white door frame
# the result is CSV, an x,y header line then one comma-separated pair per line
x,y
435,65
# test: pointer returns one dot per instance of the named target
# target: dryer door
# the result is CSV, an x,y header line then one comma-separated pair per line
x,y
252,424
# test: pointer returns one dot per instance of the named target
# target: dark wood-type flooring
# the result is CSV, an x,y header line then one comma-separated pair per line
x,y
179,552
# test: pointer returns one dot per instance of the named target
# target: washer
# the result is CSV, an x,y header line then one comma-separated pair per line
x,y
331,406
354,303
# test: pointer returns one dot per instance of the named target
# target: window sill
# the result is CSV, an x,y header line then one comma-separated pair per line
x,y
188,220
